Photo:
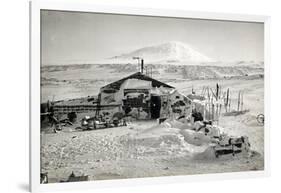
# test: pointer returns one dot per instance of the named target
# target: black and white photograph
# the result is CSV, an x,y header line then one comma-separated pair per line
x,y
137,96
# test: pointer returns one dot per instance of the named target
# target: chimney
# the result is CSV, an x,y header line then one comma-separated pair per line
x,y
142,66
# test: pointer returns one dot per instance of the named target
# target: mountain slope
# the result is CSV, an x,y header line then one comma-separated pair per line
x,y
171,52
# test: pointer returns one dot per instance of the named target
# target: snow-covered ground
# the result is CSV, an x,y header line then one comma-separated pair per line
x,y
142,149
145,149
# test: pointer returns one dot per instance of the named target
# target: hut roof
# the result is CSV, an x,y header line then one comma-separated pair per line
x,y
117,84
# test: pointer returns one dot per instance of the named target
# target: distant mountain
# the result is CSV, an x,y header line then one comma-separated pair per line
x,y
171,53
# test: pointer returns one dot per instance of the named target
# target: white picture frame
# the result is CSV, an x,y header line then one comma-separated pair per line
x,y
35,8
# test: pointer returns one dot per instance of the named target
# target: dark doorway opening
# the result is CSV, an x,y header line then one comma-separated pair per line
x,y
155,107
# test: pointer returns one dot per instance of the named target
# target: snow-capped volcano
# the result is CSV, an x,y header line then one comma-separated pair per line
x,y
171,52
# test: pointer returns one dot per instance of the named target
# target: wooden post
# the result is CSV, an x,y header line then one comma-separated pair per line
x,y
220,92
242,103
213,111
217,111
217,91
204,111
238,102
227,98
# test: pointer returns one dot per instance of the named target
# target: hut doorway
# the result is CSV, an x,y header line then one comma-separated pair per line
x,y
155,107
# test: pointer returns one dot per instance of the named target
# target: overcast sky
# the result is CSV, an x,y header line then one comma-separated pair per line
x,y
75,37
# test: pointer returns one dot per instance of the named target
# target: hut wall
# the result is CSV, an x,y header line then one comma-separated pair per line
x,y
175,105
